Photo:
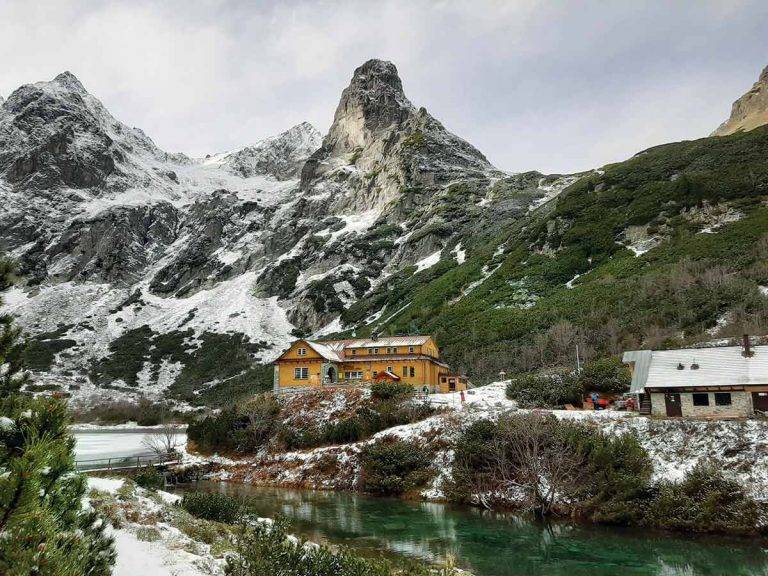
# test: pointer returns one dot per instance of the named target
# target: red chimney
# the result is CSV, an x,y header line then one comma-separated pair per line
x,y
747,352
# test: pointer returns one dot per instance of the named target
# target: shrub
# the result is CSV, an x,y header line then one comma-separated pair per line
x,y
267,549
216,432
705,501
391,391
148,534
617,477
243,428
150,478
472,465
345,431
392,466
261,418
548,466
607,375
552,390
212,506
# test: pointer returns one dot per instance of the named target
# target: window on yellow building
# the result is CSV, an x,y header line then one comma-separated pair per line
x,y
413,371
354,351
302,351
410,349
390,369
405,370
375,351
375,372
301,373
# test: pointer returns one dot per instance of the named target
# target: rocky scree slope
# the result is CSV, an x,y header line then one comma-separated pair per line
x,y
149,273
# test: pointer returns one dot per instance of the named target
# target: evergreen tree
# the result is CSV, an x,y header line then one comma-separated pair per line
x,y
12,374
44,528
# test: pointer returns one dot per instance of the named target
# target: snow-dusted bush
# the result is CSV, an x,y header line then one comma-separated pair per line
x,y
546,390
608,375
548,466
393,466
213,506
150,478
704,501
391,390
269,549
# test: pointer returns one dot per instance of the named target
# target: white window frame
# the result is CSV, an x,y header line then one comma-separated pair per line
x,y
301,352
410,349
301,373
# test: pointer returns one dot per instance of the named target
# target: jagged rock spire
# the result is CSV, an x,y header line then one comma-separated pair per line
x,y
373,101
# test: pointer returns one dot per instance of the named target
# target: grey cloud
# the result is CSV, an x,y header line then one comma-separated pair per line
x,y
556,86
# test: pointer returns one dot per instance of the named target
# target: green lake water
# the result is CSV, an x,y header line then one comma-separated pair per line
x,y
496,544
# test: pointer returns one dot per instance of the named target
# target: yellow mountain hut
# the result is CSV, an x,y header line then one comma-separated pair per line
x,y
413,360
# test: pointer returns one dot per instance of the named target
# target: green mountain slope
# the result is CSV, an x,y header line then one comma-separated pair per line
x,y
570,272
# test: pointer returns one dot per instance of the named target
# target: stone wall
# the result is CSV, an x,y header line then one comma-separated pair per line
x,y
741,405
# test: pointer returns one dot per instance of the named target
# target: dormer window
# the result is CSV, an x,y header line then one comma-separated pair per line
x,y
410,349
375,350
302,351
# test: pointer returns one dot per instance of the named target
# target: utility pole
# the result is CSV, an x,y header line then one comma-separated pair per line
x,y
578,360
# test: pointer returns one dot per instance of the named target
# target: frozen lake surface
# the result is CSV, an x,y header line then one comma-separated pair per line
x,y
114,443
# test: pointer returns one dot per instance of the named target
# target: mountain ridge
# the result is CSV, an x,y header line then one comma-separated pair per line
x,y
140,267
158,275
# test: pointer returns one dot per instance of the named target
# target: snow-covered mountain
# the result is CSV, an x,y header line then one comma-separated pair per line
x,y
144,272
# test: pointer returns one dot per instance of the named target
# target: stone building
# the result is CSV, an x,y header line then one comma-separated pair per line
x,y
723,382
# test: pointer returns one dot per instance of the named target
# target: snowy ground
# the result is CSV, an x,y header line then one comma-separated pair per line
x,y
675,446
171,554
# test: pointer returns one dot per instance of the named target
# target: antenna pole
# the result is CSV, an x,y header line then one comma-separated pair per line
x,y
578,360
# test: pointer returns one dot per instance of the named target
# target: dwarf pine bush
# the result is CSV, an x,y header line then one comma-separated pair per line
x,y
213,506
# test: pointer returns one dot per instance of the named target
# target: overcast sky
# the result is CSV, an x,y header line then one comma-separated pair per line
x,y
553,86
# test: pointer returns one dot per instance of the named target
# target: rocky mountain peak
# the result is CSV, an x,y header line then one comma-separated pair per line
x,y
69,81
280,156
377,75
373,102
749,111
56,134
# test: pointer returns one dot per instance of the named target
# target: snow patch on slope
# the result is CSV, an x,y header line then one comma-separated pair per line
x,y
428,261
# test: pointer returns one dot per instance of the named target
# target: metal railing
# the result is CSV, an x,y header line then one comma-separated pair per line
x,y
125,462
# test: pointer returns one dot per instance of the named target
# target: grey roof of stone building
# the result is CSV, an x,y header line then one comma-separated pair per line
x,y
724,366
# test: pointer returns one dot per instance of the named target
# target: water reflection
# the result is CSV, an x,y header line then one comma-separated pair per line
x,y
496,544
